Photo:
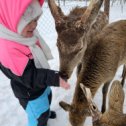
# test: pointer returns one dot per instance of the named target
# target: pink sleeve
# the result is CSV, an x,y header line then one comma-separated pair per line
x,y
16,56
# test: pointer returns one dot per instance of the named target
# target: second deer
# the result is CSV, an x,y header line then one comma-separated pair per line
x,y
114,115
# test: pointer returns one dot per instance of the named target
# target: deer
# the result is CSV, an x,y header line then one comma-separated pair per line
x,y
107,54
71,39
101,63
101,56
114,115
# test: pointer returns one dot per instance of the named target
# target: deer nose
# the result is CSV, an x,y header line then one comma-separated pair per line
x,y
64,75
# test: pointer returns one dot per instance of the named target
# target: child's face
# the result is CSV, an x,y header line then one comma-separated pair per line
x,y
29,29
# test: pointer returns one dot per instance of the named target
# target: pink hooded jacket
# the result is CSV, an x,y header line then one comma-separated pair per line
x,y
13,56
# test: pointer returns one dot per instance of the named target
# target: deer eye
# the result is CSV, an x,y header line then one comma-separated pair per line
x,y
93,107
81,49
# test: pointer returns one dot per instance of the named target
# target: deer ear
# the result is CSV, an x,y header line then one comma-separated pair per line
x,y
65,106
89,15
92,106
56,12
116,96
86,92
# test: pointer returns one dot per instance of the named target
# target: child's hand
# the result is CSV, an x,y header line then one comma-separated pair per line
x,y
64,84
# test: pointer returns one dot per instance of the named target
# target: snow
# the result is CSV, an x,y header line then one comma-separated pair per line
x,y
12,114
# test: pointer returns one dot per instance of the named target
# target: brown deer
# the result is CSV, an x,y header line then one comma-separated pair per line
x,y
107,54
69,34
114,115
101,55
72,40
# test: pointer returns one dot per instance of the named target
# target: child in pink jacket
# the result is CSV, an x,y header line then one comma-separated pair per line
x,y
24,59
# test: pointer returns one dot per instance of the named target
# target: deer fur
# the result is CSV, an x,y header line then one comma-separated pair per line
x,y
101,54
70,50
70,31
107,54
114,115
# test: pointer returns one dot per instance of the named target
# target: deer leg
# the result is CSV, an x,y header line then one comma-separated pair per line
x,y
123,75
104,92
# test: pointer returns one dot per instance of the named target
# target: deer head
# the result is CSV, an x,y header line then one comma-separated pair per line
x,y
72,34
91,109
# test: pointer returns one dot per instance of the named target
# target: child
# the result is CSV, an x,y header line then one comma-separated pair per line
x,y
23,59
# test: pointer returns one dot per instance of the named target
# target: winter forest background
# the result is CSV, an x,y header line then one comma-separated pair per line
x,y
11,113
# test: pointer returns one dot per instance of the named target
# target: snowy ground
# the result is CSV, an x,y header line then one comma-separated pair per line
x,y
11,113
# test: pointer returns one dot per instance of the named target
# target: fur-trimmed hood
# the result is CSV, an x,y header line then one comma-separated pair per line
x,y
11,12
13,56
